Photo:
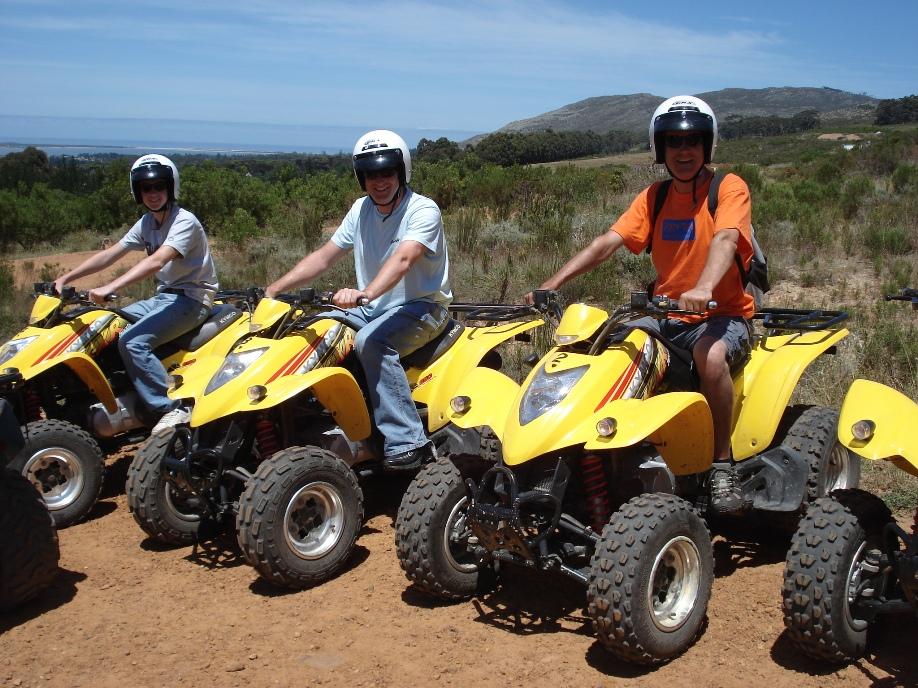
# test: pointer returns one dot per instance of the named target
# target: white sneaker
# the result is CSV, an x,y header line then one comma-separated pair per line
x,y
177,416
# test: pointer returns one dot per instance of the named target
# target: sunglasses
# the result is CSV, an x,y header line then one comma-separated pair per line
x,y
153,187
382,174
682,140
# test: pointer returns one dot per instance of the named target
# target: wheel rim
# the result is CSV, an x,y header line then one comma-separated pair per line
x,y
674,583
180,504
838,467
58,475
314,520
456,536
855,572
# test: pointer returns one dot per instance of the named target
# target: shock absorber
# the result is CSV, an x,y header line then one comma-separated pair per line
x,y
266,437
915,523
597,491
32,404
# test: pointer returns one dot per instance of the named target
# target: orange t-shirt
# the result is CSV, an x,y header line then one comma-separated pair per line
x,y
682,236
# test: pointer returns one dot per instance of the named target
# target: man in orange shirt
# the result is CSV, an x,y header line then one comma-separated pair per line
x,y
694,256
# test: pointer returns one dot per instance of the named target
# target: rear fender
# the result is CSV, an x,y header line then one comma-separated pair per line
x,y
764,387
492,396
895,419
678,424
438,383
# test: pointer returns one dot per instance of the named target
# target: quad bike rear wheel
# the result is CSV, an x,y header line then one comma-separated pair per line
x,y
299,517
28,541
160,508
66,465
432,538
825,572
650,579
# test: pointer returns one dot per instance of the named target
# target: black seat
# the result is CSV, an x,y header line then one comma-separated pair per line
x,y
222,316
436,347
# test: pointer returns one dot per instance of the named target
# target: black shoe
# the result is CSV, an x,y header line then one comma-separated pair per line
x,y
726,491
410,460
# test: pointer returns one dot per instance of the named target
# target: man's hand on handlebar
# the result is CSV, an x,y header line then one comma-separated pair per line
x,y
349,298
695,299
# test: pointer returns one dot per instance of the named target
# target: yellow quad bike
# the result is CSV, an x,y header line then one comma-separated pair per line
x,y
282,432
849,562
76,397
603,467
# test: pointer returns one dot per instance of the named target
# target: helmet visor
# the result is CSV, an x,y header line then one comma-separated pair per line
x,y
387,158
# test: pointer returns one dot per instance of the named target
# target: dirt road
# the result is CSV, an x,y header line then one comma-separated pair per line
x,y
126,611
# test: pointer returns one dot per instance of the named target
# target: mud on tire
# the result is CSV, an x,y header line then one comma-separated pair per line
x,y
650,579
299,517
822,564
65,463
28,542
158,507
430,539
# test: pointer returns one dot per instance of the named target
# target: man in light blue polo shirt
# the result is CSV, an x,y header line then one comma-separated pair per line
x,y
403,289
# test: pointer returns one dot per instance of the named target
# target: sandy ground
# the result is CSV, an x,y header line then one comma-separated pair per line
x,y
124,610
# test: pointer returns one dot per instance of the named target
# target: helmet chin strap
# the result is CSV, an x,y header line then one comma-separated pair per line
x,y
392,201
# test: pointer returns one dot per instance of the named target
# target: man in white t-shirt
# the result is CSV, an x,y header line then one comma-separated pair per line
x,y
403,289
178,254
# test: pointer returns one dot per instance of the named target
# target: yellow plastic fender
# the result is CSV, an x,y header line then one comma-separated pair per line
x,y
579,322
43,307
437,384
86,369
491,395
763,389
678,424
895,419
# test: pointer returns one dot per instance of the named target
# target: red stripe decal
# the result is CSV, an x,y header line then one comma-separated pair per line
x,y
621,384
54,351
296,361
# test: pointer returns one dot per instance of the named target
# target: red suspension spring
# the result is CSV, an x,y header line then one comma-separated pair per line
x,y
597,492
266,436
915,523
32,405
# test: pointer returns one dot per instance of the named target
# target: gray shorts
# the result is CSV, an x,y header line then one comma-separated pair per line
x,y
735,332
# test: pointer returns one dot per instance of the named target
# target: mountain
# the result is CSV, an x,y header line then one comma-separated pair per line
x,y
632,112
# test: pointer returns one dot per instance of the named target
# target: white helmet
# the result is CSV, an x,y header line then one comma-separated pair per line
x,y
154,167
683,113
380,150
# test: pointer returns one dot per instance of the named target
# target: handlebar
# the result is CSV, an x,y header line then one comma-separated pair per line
x,y
907,294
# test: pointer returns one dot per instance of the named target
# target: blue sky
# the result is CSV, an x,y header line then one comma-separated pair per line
x,y
459,65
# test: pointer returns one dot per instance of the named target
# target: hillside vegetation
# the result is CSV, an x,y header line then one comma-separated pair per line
x,y
837,220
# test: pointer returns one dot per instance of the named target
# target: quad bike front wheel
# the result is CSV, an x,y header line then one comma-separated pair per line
x,y
650,579
66,465
826,574
161,509
28,541
431,535
299,517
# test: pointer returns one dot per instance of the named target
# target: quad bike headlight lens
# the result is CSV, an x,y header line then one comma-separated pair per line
x,y
256,393
547,390
13,347
233,366
606,427
863,430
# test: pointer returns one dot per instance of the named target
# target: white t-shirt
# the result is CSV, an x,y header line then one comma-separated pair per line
x,y
193,271
374,237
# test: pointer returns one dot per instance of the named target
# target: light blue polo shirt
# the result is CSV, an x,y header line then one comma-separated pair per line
x,y
374,237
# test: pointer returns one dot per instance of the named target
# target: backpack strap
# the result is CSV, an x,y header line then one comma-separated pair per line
x,y
658,200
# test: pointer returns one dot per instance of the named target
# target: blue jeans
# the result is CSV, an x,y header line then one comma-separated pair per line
x,y
380,343
163,318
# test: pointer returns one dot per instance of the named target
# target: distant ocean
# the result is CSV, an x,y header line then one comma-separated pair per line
x,y
83,136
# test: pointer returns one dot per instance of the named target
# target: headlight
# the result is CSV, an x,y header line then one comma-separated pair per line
x,y
13,347
547,390
233,366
